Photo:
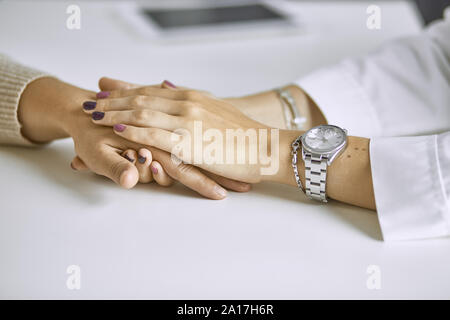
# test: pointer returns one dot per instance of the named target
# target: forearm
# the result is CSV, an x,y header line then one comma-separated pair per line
x,y
349,177
47,107
266,107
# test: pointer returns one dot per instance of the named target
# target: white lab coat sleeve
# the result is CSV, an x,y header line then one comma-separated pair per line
x,y
411,181
401,89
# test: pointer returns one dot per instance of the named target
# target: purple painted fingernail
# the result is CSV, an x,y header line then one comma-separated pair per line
x,y
89,105
128,158
98,115
141,159
103,94
154,169
120,127
170,84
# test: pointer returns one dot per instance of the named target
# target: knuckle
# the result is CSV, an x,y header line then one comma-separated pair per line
x,y
116,169
187,105
195,110
191,95
137,101
140,115
151,134
184,169
144,91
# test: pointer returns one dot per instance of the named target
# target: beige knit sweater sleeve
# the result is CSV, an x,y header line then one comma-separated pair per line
x,y
14,77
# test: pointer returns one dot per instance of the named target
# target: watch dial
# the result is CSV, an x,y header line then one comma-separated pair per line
x,y
324,138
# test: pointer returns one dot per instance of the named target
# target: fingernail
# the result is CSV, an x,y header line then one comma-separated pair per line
x,y
220,191
98,115
89,105
170,84
120,127
141,159
103,94
128,158
71,165
154,169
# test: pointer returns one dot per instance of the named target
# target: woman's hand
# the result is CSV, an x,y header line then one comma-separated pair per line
x,y
168,118
50,109
149,170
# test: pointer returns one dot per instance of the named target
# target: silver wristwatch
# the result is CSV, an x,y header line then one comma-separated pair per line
x,y
320,146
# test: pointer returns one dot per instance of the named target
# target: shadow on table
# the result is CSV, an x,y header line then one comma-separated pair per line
x,y
361,219
53,163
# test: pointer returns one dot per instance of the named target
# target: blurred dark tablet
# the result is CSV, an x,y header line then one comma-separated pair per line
x,y
179,18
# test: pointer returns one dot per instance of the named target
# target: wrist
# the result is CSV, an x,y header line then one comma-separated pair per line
x,y
307,107
264,107
285,173
267,108
48,109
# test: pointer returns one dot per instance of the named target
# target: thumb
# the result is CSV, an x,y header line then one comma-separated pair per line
x,y
109,84
117,168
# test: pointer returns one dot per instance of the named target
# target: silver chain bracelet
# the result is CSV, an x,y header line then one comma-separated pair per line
x,y
294,120
295,146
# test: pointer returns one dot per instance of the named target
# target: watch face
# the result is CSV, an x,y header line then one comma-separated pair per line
x,y
323,139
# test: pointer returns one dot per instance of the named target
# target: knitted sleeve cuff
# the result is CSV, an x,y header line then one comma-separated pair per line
x,y
14,78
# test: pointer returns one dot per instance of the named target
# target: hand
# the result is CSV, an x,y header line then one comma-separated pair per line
x,y
50,109
146,174
152,115
148,169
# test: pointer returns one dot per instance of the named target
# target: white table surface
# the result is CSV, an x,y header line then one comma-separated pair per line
x,y
153,242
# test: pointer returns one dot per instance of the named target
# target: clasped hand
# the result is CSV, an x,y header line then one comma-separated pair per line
x,y
158,119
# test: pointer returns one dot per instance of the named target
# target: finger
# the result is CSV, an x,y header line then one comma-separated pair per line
x,y
143,165
160,175
154,91
230,184
158,138
141,160
106,85
168,106
189,175
138,118
110,163
110,84
168,85
78,164
130,155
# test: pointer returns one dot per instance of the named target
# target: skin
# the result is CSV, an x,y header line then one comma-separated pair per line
x,y
50,109
150,115
149,170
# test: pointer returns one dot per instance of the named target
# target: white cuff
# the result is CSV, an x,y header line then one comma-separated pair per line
x,y
409,190
342,100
